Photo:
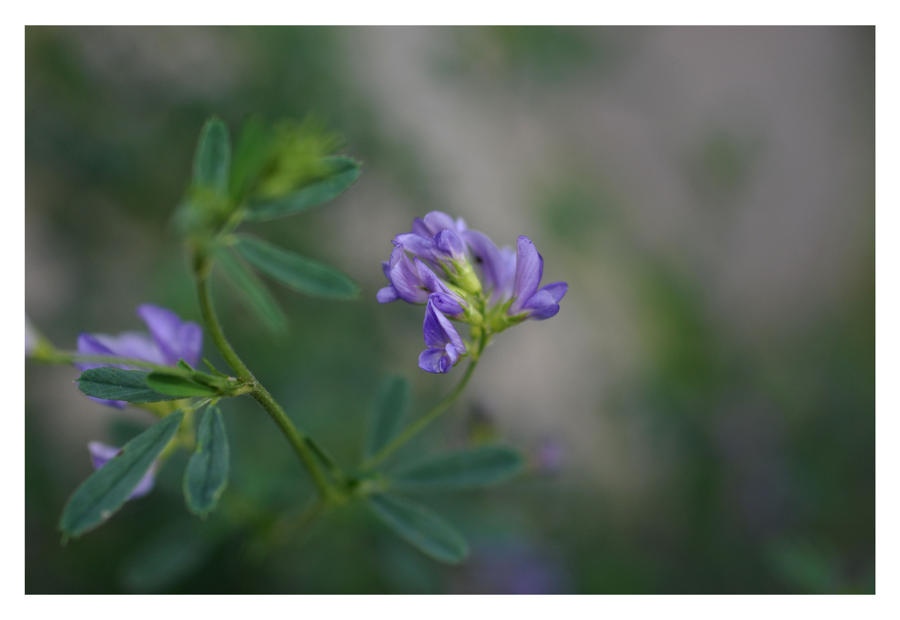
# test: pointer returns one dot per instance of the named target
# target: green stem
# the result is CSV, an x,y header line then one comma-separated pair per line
x,y
299,442
433,414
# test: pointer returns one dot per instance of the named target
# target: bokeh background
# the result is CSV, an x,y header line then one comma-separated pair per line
x,y
698,418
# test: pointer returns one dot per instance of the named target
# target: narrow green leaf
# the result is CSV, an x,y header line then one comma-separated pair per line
x,y
179,387
344,172
185,366
104,492
252,152
255,291
467,469
206,475
212,159
295,271
116,384
391,402
420,527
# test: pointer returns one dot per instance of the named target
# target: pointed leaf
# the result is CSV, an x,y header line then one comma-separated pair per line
x,y
212,159
255,291
252,151
117,384
206,475
467,469
420,527
104,492
179,387
344,172
295,271
388,411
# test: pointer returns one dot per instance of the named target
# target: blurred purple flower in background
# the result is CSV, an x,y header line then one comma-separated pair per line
x,y
170,340
102,453
515,567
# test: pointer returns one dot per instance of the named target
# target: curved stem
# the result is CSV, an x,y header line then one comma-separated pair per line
x,y
299,442
433,414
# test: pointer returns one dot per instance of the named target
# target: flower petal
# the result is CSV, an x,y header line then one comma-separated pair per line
x,y
541,305
439,331
436,221
434,361
529,269
448,242
557,290
386,295
407,282
423,247
169,332
446,303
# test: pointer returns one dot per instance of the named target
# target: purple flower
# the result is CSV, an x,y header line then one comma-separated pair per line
x,y
170,340
463,276
444,343
527,298
413,281
101,454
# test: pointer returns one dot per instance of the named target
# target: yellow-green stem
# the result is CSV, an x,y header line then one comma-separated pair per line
x,y
296,438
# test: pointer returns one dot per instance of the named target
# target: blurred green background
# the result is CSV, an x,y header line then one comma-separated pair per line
x,y
699,416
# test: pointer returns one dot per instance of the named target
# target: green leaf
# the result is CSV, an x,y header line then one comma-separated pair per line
x,y
467,469
344,171
104,492
212,158
207,471
388,410
420,527
255,291
116,384
299,273
179,387
252,152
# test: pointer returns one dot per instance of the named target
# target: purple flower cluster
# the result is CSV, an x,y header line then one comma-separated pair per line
x,y
462,276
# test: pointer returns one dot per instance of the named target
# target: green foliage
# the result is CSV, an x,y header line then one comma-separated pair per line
x,y
467,469
388,410
104,492
116,384
206,475
420,527
178,387
252,153
212,159
254,291
338,173
299,273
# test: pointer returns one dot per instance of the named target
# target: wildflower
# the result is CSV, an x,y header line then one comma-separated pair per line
x,y
443,341
462,276
170,340
102,453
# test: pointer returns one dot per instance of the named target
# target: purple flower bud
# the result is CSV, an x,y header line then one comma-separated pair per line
x,y
444,343
102,453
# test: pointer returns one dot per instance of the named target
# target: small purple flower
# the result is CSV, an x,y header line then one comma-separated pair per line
x,y
102,453
538,304
444,343
170,340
